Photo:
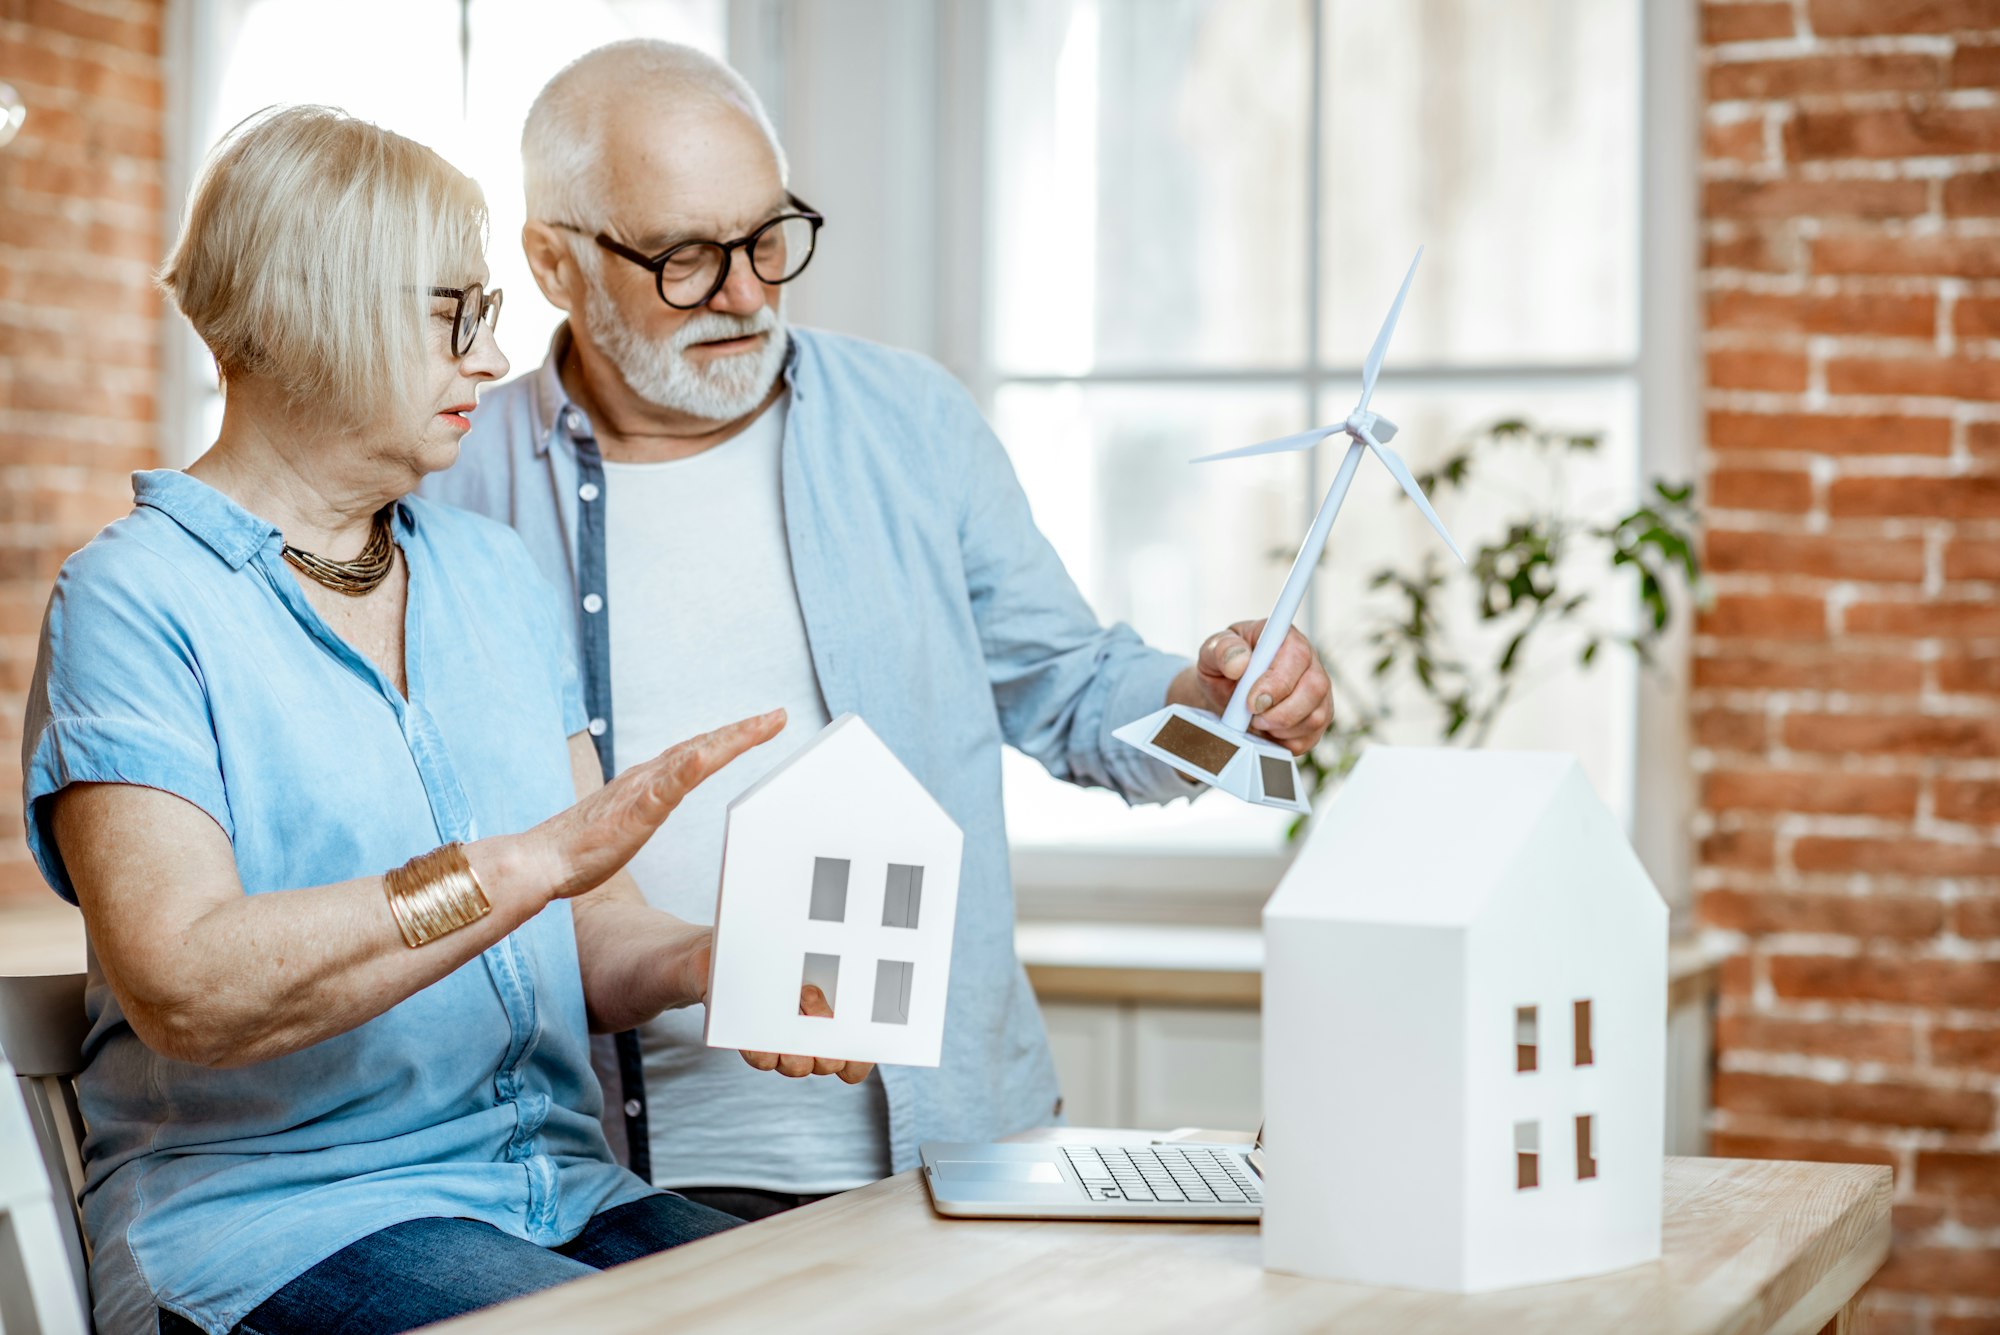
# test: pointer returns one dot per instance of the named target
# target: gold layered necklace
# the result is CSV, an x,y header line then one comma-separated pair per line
x,y
364,574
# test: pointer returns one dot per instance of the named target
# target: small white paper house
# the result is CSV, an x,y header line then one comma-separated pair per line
x,y
1465,988
840,869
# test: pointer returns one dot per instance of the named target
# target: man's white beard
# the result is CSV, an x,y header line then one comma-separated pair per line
x,y
658,370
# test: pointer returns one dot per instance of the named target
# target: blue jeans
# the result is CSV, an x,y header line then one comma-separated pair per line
x,y
426,1270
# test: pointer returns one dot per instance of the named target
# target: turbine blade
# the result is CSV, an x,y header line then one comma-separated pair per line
x,y
1304,440
1373,366
1401,472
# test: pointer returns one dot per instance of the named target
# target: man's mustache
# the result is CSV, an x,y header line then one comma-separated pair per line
x,y
715,326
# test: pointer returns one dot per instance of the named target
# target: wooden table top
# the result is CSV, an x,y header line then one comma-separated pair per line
x,y
1748,1247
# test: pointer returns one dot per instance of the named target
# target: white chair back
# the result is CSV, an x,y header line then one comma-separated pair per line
x,y
44,1256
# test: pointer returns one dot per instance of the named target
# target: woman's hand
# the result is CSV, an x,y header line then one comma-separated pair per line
x,y
636,960
688,959
579,849
812,1001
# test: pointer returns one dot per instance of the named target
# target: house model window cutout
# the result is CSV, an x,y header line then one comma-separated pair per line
x,y
838,870
1524,1038
1527,1155
1472,1003
1586,1147
823,972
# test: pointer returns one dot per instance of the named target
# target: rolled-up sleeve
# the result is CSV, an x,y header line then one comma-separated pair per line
x,y
1062,681
117,697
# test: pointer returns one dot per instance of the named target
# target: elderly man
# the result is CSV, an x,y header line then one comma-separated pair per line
x,y
752,516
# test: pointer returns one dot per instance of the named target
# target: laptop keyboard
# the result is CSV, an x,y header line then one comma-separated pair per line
x,y
1163,1173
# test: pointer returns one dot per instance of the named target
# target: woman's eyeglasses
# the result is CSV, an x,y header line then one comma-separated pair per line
x,y
475,303
689,274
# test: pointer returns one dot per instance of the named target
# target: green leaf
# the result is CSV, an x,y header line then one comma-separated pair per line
x,y
1515,584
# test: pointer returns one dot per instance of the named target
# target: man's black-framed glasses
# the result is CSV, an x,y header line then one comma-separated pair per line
x,y
690,273
475,303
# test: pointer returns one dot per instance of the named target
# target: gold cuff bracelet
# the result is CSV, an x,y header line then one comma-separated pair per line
x,y
435,893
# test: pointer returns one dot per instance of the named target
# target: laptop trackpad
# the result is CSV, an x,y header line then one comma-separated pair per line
x,y
968,1171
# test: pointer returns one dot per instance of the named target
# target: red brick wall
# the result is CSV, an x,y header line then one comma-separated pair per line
x,y
1847,682
80,231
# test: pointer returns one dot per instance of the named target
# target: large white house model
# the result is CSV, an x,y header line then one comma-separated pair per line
x,y
1464,1031
839,869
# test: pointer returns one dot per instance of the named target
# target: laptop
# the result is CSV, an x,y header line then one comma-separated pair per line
x,y
1185,1180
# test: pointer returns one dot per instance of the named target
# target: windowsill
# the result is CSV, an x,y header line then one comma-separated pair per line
x,y
1175,890
1120,962
1192,965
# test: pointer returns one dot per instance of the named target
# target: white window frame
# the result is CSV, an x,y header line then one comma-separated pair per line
x,y
889,128
1221,887
886,126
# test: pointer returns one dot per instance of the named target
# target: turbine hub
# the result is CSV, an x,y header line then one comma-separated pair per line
x,y
1374,424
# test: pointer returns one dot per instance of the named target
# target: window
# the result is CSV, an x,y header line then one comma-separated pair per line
x,y
457,75
1198,211
823,972
904,896
1524,1038
892,991
1527,1155
829,890
1581,1025
1586,1147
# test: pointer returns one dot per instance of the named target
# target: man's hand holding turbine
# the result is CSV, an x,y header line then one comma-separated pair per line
x,y
1292,703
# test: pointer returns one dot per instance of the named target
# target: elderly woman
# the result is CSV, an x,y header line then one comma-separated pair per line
x,y
307,752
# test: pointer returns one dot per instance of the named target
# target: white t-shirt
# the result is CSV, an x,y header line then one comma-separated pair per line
x,y
706,629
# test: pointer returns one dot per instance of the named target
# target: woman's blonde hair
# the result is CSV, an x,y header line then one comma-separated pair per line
x,y
309,247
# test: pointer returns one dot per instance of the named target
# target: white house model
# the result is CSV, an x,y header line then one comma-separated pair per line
x,y
839,869
1465,987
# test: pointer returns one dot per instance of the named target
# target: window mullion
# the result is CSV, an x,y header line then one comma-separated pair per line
x,y
1315,63
464,59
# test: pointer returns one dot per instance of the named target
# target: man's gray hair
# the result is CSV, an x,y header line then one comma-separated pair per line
x,y
562,142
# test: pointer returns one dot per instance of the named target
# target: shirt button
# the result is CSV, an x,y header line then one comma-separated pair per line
x,y
597,727
588,491
573,420
592,603
633,1107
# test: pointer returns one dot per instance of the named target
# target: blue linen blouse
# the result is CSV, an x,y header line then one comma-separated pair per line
x,y
180,654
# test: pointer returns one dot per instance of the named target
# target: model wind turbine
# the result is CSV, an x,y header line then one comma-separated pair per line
x,y
1221,751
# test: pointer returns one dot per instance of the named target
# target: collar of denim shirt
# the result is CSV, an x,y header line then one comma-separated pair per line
x,y
552,401
231,531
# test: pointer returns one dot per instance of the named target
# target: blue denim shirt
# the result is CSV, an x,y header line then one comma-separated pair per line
x,y
934,608
180,654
